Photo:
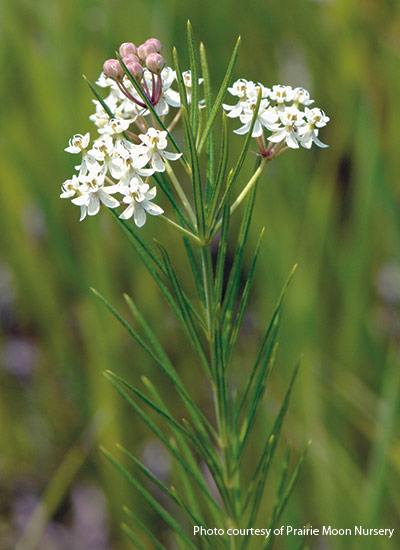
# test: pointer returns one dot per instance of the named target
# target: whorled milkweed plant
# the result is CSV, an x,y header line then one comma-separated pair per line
x,y
134,156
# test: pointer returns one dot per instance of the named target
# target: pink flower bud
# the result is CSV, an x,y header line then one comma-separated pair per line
x,y
112,68
130,58
155,43
146,49
127,48
135,69
155,63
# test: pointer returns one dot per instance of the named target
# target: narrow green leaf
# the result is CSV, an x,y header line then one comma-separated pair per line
x,y
243,302
239,163
221,173
131,535
272,323
180,214
234,276
199,420
211,136
174,451
99,98
147,473
194,163
117,381
257,484
185,312
292,482
194,69
262,379
186,452
137,522
148,257
220,96
223,243
152,502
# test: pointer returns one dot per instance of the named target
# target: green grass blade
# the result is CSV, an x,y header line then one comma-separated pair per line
x,y
220,96
194,69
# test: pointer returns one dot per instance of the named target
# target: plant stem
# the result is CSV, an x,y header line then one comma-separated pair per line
x,y
243,194
181,229
180,192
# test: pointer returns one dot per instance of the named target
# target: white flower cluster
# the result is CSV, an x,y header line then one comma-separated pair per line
x,y
113,164
284,111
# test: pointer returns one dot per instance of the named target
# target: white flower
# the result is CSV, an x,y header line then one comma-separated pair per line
x,y
301,96
291,119
316,118
266,116
138,197
247,92
78,144
282,94
92,194
154,141
70,187
129,161
115,127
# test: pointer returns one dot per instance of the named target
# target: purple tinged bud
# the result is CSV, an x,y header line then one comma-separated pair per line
x,y
130,58
145,50
154,42
135,69
127,48
112,68
155,63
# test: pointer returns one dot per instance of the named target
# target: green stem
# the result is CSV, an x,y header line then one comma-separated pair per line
x,y
181,229
244,192
180,192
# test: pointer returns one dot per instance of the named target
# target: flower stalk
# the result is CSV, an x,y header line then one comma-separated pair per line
x,y
122,171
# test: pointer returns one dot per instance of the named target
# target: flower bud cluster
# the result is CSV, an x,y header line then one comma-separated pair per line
x,y
113,165
284,111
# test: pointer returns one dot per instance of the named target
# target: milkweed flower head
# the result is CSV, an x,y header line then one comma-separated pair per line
x,y
284,111
120,166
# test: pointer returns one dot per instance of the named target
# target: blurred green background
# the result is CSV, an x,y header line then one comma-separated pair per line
x,y
335,212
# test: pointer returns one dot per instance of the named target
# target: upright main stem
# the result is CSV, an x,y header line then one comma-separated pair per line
x,y
219,385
